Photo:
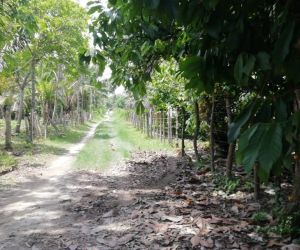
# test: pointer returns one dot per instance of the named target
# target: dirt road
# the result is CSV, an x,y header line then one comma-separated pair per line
x,y
34,205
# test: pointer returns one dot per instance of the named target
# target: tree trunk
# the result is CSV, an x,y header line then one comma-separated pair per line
x,y
78,108
31,124
147,124
296,192
197,129
91,105
150,123
182,133
7,113
231,147
169,125
256,182
212,141
161,126
177,128
20,111
164,126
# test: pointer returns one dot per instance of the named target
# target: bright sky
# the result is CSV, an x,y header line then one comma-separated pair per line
x,y
83,2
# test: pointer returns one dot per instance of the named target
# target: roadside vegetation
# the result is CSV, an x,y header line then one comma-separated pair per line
x,y
43,150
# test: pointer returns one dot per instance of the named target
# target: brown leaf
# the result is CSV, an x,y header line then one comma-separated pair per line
x,y
171,218
196,240
160,227
291,247
125,239
235,209
215,220
203,225
209,243
274,243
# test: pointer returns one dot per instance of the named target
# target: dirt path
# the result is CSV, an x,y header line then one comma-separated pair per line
x,y
34,205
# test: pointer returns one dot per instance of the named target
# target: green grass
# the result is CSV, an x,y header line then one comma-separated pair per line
x,y
42,148
113,141
70,136
7,162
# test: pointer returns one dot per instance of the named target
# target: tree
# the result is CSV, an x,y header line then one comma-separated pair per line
x,y
250,45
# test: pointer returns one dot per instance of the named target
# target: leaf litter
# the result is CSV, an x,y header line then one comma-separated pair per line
x,y
154,201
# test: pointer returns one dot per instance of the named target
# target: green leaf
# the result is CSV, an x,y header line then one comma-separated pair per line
x,y
282,46
238,69
153,4
251,150
139,107
235,127
210,4
263,59
249,65
95,8
281,110
270,149
214,28
112,2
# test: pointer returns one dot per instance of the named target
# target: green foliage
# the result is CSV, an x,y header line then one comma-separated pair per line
x,y
285,225
261,143
7,162
260,218
229,186
167,87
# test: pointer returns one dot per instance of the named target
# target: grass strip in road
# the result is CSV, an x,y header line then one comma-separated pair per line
x,y
115,140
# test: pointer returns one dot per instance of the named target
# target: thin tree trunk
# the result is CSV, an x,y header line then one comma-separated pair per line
x,y
177,128
20,111
296,192
7,113
164,126
231,146
256,182
229,160
147,124
197,129
161,126
150,123
91,105
169,125
182,133
31,124
212,141
78,108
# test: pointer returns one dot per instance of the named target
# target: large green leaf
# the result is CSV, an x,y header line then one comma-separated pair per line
x,y
243,67
270,149
235,127
152,4
263,59
238,69
260,143
282,46
249,151
281,113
